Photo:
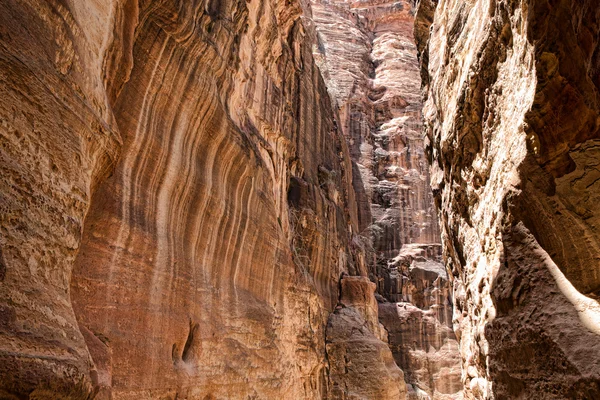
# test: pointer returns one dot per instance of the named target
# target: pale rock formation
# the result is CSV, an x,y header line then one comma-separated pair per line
x,y
512,116
366,52
374,80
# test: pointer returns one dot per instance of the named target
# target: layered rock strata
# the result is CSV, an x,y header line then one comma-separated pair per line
x,y
177,202
512,116
366,52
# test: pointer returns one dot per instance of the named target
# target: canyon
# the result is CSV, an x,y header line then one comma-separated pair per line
x,y
303,199
374,83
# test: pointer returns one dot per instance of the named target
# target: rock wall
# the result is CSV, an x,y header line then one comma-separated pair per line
x,y
366,52
512,120
373,79
357,347
419,324
177,202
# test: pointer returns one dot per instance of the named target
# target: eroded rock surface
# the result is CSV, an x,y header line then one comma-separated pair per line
x,y
512,118
360,361
367,55
419,324
181,189
176,201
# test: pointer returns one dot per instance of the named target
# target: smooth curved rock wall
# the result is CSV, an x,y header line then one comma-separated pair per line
x,y
177,203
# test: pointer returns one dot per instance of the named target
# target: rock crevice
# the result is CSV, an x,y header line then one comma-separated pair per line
x,y
374,82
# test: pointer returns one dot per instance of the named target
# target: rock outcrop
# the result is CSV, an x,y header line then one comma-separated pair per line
x,y
425,349
419,324
176,201
512,116
374,81
357,348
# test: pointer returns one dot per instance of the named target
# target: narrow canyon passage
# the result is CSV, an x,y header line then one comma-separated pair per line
x,y
375,85
299,199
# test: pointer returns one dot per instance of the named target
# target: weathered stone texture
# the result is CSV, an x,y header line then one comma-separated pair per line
x,y
367,55
374,80
419,324
176,201
58,139
360,361
425,349
512,119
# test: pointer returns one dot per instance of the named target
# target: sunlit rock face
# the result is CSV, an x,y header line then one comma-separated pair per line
x,y
177,202
367,55
512,118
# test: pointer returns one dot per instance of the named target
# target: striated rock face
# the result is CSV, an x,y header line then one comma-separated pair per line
x,y
419,324
374,80
367,55
176,202
425,349
513,123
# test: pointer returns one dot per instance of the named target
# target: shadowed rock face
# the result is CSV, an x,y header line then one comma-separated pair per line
x,y
425,349
419,325
512,119
176,201
357,348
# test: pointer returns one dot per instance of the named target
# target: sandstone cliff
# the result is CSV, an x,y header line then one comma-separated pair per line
x,y
357,349
177,202
231,199
366,52
512,119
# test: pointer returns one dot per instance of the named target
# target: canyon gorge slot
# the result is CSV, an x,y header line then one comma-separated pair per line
x,y
299,199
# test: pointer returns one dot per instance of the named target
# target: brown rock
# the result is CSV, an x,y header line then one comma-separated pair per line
x,y
420,325
425,349
361,363
374,80
512,117
149,249
58,138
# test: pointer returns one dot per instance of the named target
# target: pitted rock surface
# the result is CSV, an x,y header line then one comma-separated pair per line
x,y
512,118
